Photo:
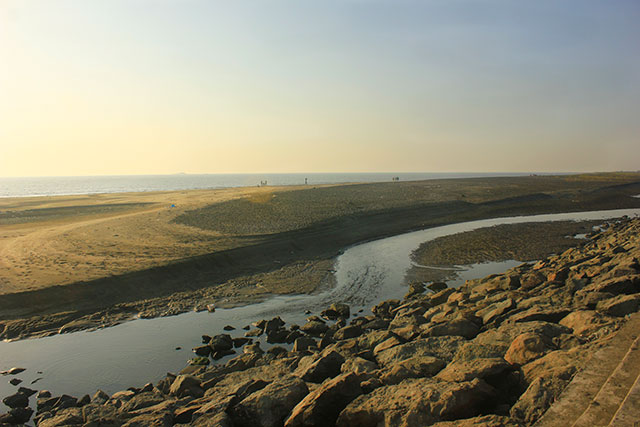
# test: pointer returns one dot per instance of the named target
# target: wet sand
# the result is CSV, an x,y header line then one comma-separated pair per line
x,y
102,259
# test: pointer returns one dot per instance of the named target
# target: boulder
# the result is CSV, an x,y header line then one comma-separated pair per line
x,y
347,332
616,285
336,310
459,327
222,342
526,348
358,365
619,306
472,350
269,406
551,315
441,296
17,400
586,322
387,344
186,385
100,414
314,327
440,347
437,286
415,289
304,343
414,367
383,309
142,400
17,416
418,402
203,350
318,368
321,407
64,417
494,311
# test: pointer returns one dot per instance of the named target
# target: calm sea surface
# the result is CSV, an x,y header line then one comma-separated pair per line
x,y
57,186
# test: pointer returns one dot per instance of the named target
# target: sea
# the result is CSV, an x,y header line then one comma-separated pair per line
x,y
73,185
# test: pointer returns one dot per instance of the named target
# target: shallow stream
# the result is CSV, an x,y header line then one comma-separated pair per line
x,y
143,350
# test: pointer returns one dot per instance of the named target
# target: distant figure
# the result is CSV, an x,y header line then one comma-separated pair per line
x,y
395,178
173,206
305,181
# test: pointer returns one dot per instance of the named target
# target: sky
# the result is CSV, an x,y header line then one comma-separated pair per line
x,y
108,87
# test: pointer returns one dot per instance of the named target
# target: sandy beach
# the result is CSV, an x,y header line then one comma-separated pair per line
x,y
107,257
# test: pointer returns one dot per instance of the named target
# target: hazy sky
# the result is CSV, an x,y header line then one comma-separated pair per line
x,y
163,86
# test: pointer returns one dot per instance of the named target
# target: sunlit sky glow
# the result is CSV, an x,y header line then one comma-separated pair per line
x,y
93,87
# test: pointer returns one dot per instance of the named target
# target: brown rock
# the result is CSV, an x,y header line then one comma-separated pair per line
x,y
186,385
321,407
459,327
525,348
270,406
348,332
478,368
585,322
440,347
320,367
414,367
358,365
417,402
619,306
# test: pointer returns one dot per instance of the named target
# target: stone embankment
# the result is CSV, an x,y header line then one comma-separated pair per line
x,y
498,351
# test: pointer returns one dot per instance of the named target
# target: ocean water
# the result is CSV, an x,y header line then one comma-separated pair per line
x,y
58,186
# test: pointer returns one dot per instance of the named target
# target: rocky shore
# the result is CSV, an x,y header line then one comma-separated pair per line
x,y
497,351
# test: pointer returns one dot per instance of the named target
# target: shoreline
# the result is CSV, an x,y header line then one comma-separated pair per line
x,y
310,248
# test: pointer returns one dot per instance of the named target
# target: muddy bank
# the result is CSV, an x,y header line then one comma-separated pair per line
x,y
497,351
290,261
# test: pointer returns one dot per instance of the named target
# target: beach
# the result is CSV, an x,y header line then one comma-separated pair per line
x,y
101,259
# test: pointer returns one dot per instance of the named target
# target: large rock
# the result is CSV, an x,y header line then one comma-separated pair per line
x,y
17,400
586,322
16,416
222,342
440,347
321,407
100,414
358,365
304,343
616,285
316,369
458,327
414,367
494,311
348,332
270,406
142,400
619,306
551,315
418,402
64,417
337,310
545,378
186,385
526,348
314,327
